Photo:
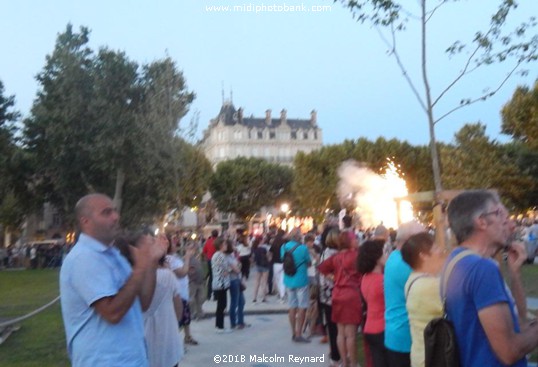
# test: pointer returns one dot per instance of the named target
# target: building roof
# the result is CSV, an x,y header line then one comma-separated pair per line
x,y
229,116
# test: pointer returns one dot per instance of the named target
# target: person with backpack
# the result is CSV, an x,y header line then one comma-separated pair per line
x,y
490,321
295,262
261,255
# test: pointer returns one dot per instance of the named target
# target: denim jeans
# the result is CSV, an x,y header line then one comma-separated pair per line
x,y
237,303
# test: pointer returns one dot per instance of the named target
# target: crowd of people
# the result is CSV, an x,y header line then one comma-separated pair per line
x,y
382,283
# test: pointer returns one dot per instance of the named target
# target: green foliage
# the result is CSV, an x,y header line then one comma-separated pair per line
x,y
243,185
520,116
101,123
526,161
194,173
476,162
56,133
12,191
315,179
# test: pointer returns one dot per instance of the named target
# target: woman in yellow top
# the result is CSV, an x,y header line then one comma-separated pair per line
x,y
423,299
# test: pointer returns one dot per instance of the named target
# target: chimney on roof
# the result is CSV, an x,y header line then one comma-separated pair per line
x,y
314,117
268,117
283,116
240,115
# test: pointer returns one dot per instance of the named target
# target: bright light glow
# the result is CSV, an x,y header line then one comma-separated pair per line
x,y
193,236
285,207
373,194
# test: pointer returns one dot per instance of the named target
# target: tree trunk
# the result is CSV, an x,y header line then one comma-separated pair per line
x,y
439,217
118,192
7,237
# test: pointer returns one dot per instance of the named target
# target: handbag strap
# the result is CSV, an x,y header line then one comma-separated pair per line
x,y
447,271
411,284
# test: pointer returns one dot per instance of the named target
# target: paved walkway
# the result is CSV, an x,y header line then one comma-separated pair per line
x,y
267,342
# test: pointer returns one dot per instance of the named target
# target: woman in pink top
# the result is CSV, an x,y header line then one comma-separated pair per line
x,y
371,264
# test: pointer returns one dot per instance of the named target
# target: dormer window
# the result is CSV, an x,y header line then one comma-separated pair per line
x,y
260,134
294,135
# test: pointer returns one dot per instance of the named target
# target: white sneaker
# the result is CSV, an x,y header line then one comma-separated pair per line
x,y
223,331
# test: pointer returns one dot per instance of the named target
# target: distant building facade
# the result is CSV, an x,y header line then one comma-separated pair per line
x,y
278,140
275,139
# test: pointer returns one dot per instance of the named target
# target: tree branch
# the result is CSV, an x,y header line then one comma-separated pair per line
x,y
394,52
432,12
458,78
481,98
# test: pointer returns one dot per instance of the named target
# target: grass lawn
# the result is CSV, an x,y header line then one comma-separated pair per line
x,y
41,340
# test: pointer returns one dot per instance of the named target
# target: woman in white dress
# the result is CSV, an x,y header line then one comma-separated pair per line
x,y
164,344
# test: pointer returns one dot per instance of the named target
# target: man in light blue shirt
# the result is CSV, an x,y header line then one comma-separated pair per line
x,y
102,298
397,330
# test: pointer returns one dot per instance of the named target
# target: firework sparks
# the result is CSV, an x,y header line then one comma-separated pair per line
x,y
373,195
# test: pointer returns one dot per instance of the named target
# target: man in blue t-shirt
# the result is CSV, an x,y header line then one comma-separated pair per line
x,y
397,331
489,320
102,298
297,285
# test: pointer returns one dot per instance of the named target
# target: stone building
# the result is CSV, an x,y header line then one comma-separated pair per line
x,y
231,135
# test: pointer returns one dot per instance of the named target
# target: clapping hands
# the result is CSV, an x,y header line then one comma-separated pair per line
x,y
148,250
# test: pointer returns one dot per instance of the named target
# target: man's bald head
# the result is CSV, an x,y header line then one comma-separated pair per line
x,y
85,205
97,217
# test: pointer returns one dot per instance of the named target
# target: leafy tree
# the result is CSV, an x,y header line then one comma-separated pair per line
x,y
10,202
194,173
520,116
57,133
315,178
243,185
477,162
116,136
102,123
494,45
526,161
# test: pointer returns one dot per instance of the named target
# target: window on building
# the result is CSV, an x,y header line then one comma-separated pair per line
x,y
260,134
250,134
294,135
315,135
272,135
305,135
